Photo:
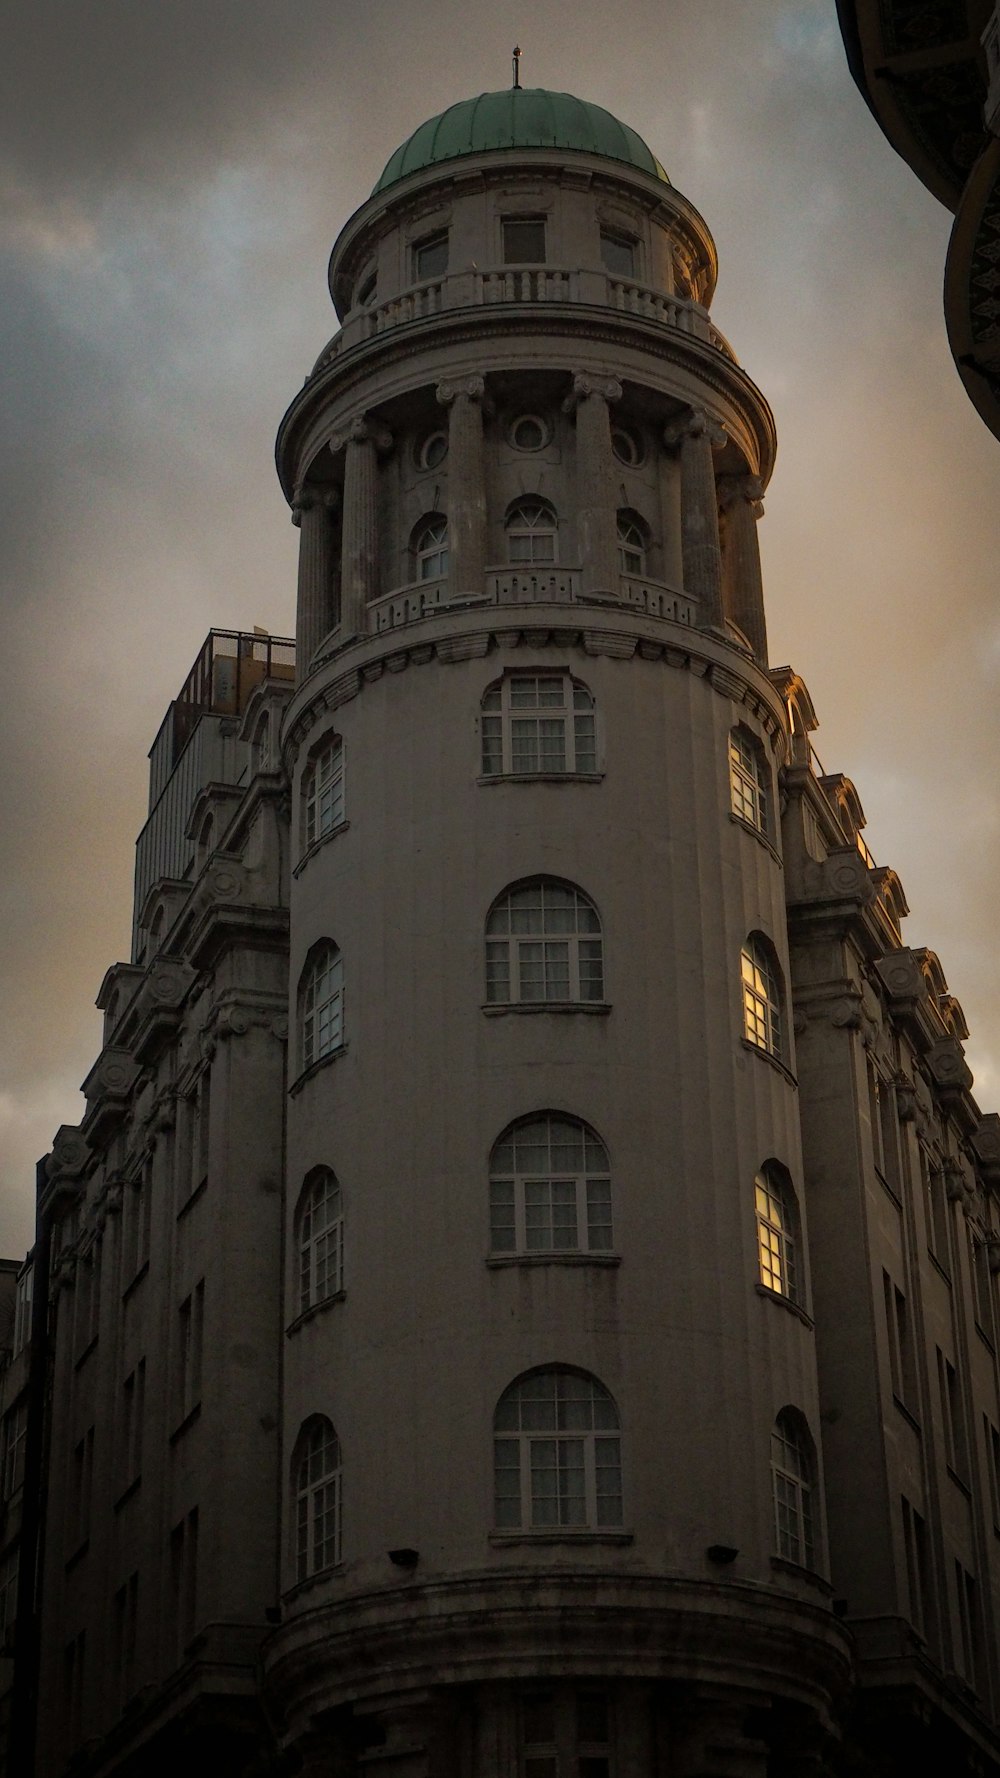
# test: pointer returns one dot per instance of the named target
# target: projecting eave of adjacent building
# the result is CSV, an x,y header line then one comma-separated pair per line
x,y
921,73
972,287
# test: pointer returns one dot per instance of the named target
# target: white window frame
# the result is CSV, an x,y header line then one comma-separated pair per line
x,y
763,1023
317,1490
430,548
552,1208
322,1005
323,791
777,1233
538,1468
544,945
538,724
320,1239
749,780
793,1491
532,527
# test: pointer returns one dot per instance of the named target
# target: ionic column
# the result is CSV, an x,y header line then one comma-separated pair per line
x,y
595,472
314,613
359,549
696,438
466,485
740,498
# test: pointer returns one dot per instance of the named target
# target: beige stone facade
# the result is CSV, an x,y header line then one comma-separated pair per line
x,y
521,1301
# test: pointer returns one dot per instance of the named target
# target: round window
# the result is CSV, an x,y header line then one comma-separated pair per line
x,y
432,450
529,433
627,446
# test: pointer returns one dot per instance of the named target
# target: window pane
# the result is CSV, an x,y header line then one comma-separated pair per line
x,y
617,254
507,1480
430,258
524,240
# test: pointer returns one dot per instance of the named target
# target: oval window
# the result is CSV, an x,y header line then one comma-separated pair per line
x,y
432,450
627,446
529,433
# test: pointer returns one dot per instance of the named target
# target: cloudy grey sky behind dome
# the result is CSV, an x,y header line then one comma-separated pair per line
x,y
172,177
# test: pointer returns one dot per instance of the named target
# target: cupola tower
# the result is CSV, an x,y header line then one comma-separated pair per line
x,y
539,1407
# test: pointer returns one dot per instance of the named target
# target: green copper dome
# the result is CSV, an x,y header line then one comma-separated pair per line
x,y
520,117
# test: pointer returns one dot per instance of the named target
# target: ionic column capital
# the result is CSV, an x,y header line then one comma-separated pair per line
x,y
473,387
607,389
734,488
697,424
362,430
305,498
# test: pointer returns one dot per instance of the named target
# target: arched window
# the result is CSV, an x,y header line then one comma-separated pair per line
x,y
557,1454
537,722
323,790
320,1238
260,744
749,779
762,995
531,528
321,1003
316,1484
543,943
777,1231
793,1475
430,548
550,1188
631,543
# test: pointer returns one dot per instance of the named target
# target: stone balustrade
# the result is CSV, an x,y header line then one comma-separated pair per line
x,y
542,284
525,586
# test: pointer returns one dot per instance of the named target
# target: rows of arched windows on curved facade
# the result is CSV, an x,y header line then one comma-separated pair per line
x,y
544,946
531,532
549,1197
557,1470
532,724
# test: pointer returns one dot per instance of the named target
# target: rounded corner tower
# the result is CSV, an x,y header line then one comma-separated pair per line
x,y
551,1446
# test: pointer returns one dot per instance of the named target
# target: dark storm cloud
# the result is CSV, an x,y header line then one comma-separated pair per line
x,y
171,178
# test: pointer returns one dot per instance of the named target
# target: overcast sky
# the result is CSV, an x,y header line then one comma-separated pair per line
x,y
172,176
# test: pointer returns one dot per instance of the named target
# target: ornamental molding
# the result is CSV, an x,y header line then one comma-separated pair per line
x,y
613,643
303,432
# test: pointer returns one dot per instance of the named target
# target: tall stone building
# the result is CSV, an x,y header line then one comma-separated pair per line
x,y
521,1301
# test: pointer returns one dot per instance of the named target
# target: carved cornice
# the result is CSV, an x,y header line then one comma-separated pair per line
x,y
687,650
565,325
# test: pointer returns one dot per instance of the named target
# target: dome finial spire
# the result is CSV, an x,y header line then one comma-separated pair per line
x,y
516,59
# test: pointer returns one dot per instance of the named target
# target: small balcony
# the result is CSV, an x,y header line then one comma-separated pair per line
x,y
528,586
539,286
